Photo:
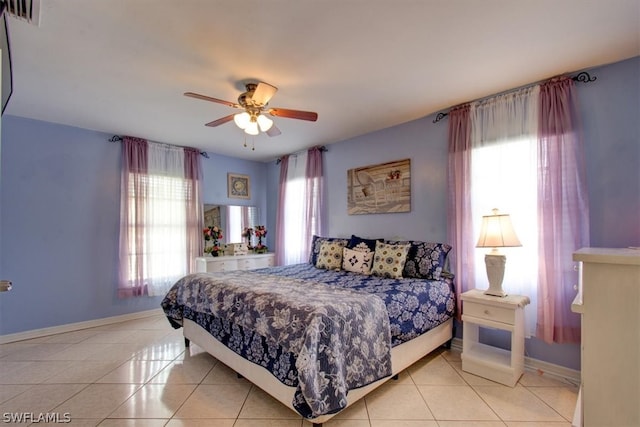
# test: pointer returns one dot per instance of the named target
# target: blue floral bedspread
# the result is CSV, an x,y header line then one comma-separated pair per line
x,y
415,306
323,332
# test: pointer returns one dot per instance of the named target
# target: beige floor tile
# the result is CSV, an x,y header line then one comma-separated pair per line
x,y
403,378
161,350
10,391
184,372
74,337
333,422
133,422
97,400
537,424
215,401
540,379
222,374
41,398
34,372
452,355
456,403
436,371
116,352
357,411
134,372
204,422
84,372
260,405
75,422
111,337
399,402
516,404
471,379
471,424
80,351
266,422
403,423
40,351
154,401
561,399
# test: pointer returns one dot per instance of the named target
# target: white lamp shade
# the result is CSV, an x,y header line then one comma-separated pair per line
x,y
497,231
264,122
242,119
252,128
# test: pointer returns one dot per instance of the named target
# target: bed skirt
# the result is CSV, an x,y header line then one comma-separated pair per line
x,y
402,356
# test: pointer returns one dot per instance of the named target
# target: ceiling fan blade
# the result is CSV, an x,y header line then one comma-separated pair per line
x,y
294,114
208,98
221,121
263,93
273,131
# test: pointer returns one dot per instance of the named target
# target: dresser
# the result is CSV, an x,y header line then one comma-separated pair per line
x,y
609,302
211,264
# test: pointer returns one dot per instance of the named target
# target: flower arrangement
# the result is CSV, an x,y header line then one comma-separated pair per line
x,y
213,233
260,232
247,233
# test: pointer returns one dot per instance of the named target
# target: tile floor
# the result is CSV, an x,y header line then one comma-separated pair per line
x,y
137,373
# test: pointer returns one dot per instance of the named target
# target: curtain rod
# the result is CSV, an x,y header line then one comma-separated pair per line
x,y
582,77
118,138
322,148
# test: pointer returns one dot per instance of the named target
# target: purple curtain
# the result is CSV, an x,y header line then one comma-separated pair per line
x,y
314,203
195,220
563,210
460,224
280,217
133,181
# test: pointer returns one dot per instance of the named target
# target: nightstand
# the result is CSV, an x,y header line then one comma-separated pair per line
x,y
485,311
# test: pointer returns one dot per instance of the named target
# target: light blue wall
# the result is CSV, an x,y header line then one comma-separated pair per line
x,y
60,214
60,191
611,118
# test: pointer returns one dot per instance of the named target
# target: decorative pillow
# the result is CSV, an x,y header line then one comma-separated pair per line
x,y
316,241
362,244
425,260
330,256
388,260
357,261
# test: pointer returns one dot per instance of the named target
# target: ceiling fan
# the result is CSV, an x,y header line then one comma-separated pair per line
x,y
254,103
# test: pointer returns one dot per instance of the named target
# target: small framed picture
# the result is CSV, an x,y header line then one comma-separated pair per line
x,y
238,186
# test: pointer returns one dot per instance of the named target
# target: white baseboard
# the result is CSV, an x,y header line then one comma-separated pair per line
x,y
535,365
70,327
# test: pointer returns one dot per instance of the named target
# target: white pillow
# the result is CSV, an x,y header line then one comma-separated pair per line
x,y
357,261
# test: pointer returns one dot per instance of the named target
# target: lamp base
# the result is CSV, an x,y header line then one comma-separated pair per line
x,y
495,273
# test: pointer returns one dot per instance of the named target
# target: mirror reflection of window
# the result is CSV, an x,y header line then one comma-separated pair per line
x,y
232,220
234,223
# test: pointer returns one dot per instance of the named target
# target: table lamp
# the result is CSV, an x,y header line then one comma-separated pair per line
x,y
496,232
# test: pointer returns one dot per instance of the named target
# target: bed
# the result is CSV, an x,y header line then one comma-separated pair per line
x,y
314,336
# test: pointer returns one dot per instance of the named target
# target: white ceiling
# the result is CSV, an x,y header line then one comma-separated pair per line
x,y
122,66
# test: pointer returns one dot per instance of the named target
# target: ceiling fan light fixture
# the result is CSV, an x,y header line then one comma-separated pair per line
x,y
252,128
242,120
264,122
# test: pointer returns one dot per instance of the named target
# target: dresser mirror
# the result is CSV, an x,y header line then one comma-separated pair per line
x,y
231,219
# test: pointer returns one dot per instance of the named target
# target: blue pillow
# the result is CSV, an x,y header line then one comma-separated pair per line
x,y
425,260
360,243
316,242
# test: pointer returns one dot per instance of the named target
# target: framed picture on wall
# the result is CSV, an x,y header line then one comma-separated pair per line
x,y
238,186
382,188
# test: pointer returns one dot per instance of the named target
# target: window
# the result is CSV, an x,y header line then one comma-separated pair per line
x,y
503,176
160,245
160,216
